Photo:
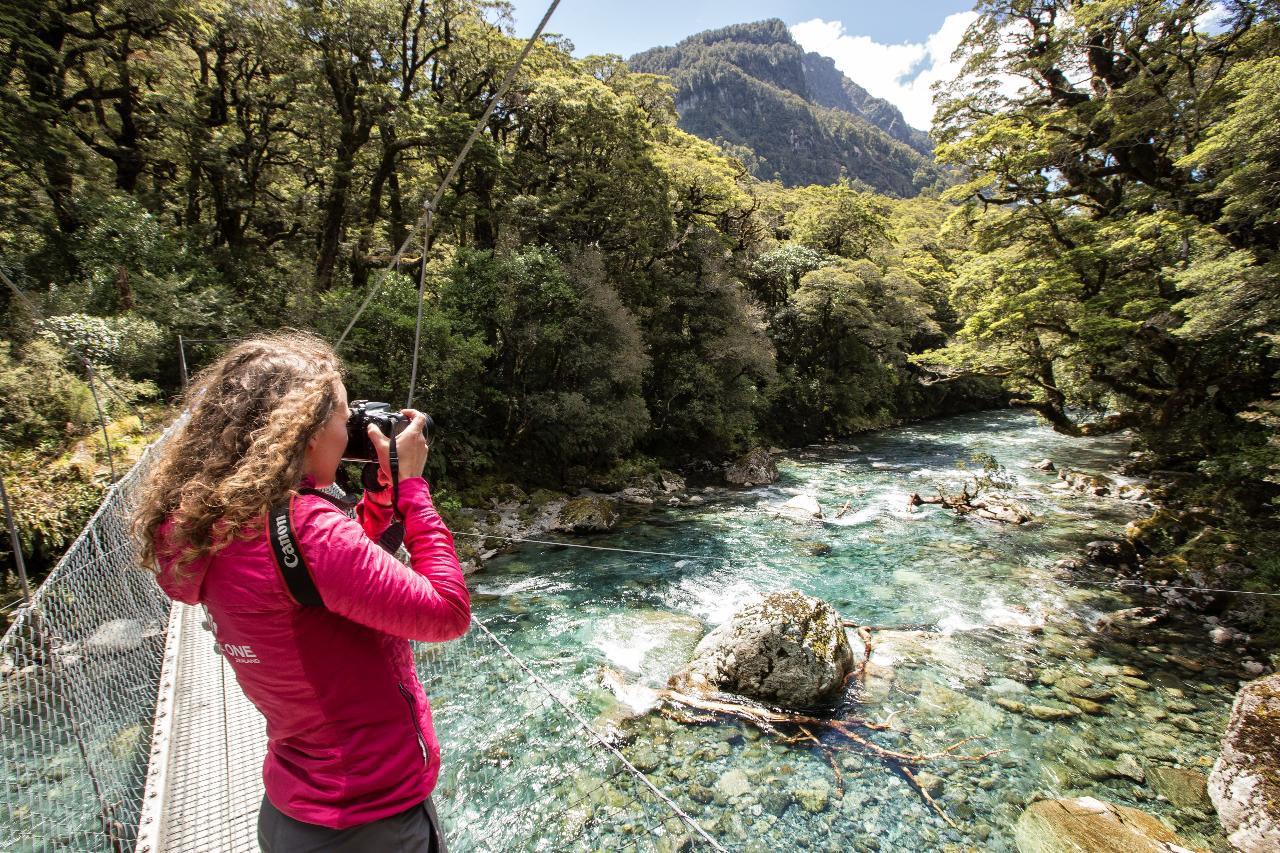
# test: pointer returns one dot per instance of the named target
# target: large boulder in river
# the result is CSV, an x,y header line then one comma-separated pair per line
x,y
752,469
787,648
586,515
999,509
1245,782
803,507
1086,825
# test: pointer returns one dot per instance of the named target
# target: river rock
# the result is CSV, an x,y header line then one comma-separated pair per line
x,y
813,795
752,469
587,515
1111,552
1132,492
1130,768
1046,465
930,783
732,783
1089,484
672,482
1182,787
1006,511
801,508
1086,825
1221,576
636,495
1130,620
1245,782
1051,712
787,648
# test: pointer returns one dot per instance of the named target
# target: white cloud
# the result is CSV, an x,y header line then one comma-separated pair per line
x,y
902,74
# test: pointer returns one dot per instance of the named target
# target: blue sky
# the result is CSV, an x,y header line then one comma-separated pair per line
x,y
611,26
893,49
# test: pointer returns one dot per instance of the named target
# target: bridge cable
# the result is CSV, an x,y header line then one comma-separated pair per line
x,y
430,206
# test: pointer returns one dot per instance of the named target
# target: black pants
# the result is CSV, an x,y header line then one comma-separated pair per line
x,y
414,830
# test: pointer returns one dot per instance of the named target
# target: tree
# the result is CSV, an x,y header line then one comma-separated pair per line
x,y
1102,245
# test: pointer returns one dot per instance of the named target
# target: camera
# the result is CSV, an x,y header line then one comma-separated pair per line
x,y
390,421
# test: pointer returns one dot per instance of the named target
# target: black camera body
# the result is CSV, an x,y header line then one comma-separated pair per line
x,y
390,421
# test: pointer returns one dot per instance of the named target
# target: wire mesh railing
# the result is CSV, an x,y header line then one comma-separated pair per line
x,y
79,674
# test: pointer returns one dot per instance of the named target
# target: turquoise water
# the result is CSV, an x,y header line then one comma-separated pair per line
x,y
1004,631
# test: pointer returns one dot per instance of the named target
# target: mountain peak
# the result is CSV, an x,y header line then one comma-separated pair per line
x,y
752,85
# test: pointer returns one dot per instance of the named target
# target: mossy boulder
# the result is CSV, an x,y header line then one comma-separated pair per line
x,y
752,469
787,648
509,493
587,515
1111,552
1086,825
1245,783
1159,532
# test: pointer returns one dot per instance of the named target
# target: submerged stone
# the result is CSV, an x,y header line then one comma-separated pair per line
x,y
813,796
1184,788
1085,824
733,783
801,508
1128,767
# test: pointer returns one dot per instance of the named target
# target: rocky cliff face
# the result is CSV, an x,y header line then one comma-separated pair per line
x,y
828,87
751,85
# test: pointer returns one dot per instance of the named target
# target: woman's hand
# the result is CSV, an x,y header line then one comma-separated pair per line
x,y
411,448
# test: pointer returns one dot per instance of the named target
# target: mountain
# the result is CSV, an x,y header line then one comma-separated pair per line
x,y
752,86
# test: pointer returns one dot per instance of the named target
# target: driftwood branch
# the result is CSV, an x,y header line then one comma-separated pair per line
x,y
770,720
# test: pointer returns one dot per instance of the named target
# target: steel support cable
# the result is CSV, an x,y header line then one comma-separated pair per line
x,y
429,206
617,753
1119,582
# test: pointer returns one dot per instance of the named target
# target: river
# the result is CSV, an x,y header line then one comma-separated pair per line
x,y
1009,643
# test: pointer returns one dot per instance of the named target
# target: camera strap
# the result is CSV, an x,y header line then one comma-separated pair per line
x,y
289,560
394,460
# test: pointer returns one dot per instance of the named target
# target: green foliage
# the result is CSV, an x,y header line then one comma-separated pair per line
x,y
565,358
43,401
51,504
837,220
842,340
990,475
1123,269
132,344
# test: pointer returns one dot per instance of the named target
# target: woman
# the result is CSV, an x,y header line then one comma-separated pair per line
x,y
352,756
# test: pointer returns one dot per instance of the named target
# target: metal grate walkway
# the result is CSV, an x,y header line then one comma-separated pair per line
x,y
204,784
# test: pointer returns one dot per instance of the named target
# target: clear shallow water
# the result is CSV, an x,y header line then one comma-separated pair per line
x,y
1007,633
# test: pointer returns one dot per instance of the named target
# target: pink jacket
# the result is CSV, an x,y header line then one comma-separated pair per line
x,y
349,728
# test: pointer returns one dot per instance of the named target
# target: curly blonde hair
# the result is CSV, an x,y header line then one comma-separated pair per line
x,y
242,449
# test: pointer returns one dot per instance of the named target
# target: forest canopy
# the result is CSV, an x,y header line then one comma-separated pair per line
x,y
607,290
